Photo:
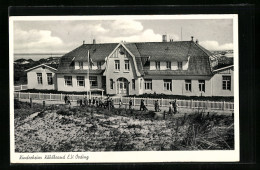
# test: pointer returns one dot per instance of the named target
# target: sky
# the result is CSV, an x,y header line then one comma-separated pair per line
x,y
62,36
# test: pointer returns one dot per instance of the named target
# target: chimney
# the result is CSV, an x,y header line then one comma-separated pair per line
x,y
164,38
94,41
191,38
197,41
83,42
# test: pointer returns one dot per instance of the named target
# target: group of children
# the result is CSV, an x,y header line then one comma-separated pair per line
x,y
109,103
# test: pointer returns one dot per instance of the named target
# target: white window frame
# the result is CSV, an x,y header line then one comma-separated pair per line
x,y
49,78
82,80
117,65
202,86
188,85
167,84
148,85
66,80
39,78
127,65
93,79
225,82
168,65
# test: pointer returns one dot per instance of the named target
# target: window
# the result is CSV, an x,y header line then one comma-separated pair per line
x,y
39,78
80,81
133,84
188,85
68,80
168,65
148,84
49,78
226,82
93,81
111,84
117,65
127,65
202,85
179,65
81,65
157,65
167,84
99,65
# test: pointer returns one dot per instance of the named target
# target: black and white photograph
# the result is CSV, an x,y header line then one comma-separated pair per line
x,y
132,88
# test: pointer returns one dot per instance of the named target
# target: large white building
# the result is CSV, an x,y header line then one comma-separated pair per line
x,y
175,67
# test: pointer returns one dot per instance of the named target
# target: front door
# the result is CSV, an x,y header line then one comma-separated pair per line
x,y
122,86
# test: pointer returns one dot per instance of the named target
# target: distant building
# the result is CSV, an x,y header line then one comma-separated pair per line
x,y
175,67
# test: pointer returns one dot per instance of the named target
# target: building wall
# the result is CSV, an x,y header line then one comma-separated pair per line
x,y
33,82
178,87
62,87
217,80
112,73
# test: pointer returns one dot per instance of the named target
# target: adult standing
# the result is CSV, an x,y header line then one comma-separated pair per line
x,y
175,106
170,108
65,99
142,105
130,103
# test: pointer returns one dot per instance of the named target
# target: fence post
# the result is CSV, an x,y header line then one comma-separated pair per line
x,y
50,96
191,103
21,87
207,104
19,96
43,103
223,105
29,95
61,97
162,102
134,101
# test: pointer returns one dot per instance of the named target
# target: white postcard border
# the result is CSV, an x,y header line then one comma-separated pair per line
x,y
130,156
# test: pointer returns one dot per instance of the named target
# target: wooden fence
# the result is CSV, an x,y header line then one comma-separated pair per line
x,y
211,105
20,87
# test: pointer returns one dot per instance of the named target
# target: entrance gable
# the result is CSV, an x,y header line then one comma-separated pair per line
x,y
120,51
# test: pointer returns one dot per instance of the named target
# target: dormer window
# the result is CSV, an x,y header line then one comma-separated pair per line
x,y
157,65
81,65
99,65
179,65
168,65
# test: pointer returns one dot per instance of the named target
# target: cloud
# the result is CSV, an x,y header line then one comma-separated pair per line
x,y
35,41
125,27
214,45
145,36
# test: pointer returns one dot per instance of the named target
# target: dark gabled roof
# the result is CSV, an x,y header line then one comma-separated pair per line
x,y
198,56
97,52
169,51
198,65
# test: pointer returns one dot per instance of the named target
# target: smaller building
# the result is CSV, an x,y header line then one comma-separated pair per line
x,y
41,77
223,81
